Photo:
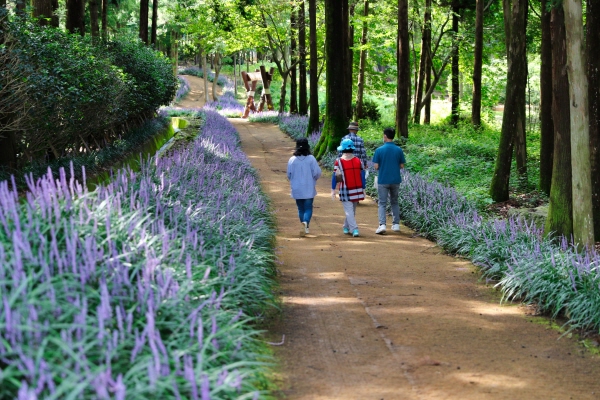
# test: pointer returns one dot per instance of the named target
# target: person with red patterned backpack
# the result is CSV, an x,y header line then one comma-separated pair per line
x,y
349,179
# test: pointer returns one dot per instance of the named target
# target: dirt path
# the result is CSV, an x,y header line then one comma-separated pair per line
x,y
195,97
389,317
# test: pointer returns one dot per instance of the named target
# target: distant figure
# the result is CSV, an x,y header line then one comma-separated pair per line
x,y
359,143
388,160
351,184
303,172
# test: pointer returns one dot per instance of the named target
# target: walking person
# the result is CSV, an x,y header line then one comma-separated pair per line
x,y
351,184
359,143
388,160
303,171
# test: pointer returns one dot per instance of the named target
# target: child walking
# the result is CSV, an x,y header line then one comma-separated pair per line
x,y
351,185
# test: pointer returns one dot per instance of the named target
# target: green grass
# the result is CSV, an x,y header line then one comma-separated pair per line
x,y
461,157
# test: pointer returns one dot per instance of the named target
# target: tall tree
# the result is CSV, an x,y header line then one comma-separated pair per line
x,y
277,34
349,15
362,63
560,209
76,16
105,19
403,77
8,153
336,116
294,61
477,64
303,97
513,119
455,108
154,22
143,31
313,120
423,61
583,220
428,88
546,122
593,41
43,10
217,64
95,27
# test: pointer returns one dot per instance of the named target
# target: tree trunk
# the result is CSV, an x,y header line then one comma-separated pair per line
x,y
583,219
143,32
42,9
546,123
427,119
293,58
104,19
8,142
54,20
560,210
455,67
349,59
313,120
513,119
423,59
235,74
217,67
303,100
362,64
154,22
76,16
95,27
336,118
593,41
282,93
19,6
205,74
477,65
174,51
403,78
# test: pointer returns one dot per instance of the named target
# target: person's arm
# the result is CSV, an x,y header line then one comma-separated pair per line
x,y
376,166
316,170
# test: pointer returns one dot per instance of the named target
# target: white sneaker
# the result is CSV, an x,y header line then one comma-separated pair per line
x,y
306,231
380,230
396,227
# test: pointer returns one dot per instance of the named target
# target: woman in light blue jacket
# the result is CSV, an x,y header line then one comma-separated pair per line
x,y
303,172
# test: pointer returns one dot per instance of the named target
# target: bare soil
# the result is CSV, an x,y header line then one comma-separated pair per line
x,y
195,97
392,317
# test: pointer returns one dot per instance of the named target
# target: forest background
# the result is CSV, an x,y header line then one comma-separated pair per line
x,y
473,83
498,99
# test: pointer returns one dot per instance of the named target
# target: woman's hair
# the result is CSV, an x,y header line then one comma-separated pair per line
x,y
302,147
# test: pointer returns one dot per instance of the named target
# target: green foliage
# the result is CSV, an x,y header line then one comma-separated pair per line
x,y
370,110
151,72
81,96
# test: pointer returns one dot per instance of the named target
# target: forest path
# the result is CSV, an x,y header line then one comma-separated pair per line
x,y
195,97
390,317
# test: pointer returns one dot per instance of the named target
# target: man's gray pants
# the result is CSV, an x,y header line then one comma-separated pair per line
x,y
383,191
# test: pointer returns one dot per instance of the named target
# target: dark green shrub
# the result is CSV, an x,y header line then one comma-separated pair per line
x,y
72,91
370,110
77,96
154,84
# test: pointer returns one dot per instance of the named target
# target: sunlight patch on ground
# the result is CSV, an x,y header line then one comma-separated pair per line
x,y
320,301
492,380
